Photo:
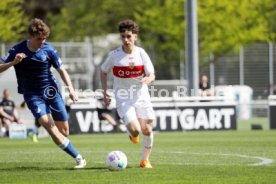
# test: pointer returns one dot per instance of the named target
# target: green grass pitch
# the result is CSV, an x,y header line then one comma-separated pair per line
x,y
197,157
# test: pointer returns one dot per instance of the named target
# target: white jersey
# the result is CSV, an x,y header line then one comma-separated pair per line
x,y
128,70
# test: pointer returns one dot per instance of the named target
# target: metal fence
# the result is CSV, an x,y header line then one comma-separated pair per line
x,y
253,66
77,58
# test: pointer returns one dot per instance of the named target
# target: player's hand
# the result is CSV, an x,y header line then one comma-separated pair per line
x,y
19,57
73,96
148,79
106,100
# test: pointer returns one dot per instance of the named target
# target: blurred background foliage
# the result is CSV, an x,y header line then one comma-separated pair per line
x,y
223,26
12,20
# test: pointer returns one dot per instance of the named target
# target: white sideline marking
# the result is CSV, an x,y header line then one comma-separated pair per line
x,y
264,161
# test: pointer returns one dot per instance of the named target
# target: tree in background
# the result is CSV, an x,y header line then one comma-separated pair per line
x,y
267,10
223,26
161,26
163,34
12,20
42,8
85,18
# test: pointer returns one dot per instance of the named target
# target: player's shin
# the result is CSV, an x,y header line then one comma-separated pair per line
x,y
147,144
68,147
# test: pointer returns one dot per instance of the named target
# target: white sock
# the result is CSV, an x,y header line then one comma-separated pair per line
x,y
79,156
64,143
146,144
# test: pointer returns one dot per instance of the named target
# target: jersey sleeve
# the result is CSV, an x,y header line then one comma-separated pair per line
x,y
9,56
148,66
108,63
55,59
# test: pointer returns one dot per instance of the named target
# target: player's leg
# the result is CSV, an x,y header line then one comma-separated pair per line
x,y
145,114
16,117
60,140
35,131
6,124
67,146
109,118
48,123
2,128
42,112
131,122
118,121
146,128
60,116
63,127
133,129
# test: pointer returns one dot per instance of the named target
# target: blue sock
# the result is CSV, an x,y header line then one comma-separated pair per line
x,y
68,147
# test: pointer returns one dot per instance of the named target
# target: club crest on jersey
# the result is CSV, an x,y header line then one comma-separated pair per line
x,y
131,65
43,57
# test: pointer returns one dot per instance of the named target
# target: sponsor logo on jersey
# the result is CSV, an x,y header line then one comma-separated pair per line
x,y
127,72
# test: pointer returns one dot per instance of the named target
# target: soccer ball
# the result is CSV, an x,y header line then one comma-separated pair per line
x,y
116,161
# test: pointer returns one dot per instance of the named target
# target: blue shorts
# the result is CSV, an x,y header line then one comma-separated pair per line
x,y
40,105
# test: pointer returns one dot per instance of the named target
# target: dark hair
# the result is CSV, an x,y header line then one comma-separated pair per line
x,y
38,27
128,25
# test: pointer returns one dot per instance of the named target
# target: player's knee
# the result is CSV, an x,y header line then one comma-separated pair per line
x,y
146,131
65,132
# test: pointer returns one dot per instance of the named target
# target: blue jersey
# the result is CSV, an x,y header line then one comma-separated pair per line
x,y
34,72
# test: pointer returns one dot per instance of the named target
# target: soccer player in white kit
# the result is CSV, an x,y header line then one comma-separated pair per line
x,y
133,71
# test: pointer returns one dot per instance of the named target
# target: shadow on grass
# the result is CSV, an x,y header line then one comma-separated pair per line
x,y
33,168
87,168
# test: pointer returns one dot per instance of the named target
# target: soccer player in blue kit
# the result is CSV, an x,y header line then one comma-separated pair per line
x,y
32,60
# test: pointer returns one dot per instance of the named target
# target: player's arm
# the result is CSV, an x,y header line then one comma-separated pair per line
x,y
105,68
5,66
17,59
66,79
104,87
148,78
149,69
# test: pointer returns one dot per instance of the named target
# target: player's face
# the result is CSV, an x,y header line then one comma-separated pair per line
x,y
6,94
128,39
37,41
204,79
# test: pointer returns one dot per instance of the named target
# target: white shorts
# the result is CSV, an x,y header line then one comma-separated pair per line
x,y
132,110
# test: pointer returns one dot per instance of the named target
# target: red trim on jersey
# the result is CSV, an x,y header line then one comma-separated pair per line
x,y
128,71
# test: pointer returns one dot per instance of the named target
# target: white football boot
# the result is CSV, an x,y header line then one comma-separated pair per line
x,y
81,162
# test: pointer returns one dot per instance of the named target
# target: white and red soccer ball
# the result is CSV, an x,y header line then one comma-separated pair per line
x,y
116,161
